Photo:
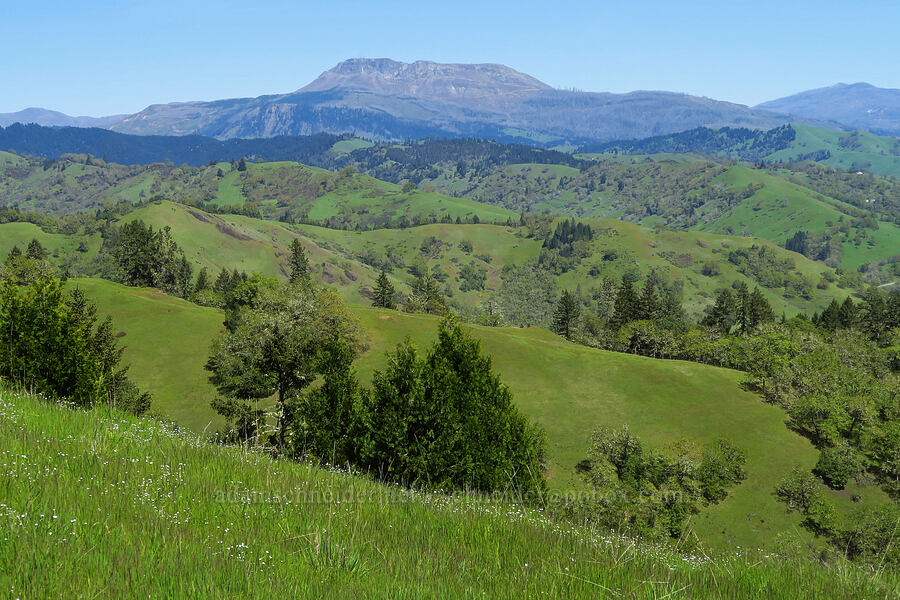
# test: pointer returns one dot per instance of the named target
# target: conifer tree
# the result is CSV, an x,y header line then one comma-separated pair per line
x,y
298,263
758,310
849,313
627,306
566,315
723,313
384,292
649,303
202,281
831,317
35,250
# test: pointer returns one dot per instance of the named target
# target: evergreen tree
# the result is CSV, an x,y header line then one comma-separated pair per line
x,y
756,310
277,348
13,254
384,292
35,250
52,343
649,303
849,313
874,314
298,263
446,421
426,297
742,307
627,307
223,282
202,282
831,317
723,314
565,317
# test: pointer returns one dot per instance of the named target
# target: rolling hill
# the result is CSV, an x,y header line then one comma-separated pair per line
x,y
285,190
350,260
847,150
568,389
93,493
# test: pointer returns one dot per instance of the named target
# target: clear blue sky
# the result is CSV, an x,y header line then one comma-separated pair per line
x,y
97,57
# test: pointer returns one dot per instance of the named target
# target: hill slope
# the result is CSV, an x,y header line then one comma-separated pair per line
x,y
853,151
568,389
351,260
117,504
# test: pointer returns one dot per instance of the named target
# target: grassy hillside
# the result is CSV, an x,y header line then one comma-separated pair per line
x,y
700,195
350,260
76,183
851,151
114,504
568,389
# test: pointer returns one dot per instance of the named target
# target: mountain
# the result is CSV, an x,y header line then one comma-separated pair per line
x,y
52,118
386,99
860,105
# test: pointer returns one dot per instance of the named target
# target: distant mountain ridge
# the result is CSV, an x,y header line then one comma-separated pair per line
x,y
52,118
859,105
387,99
384,99
448,82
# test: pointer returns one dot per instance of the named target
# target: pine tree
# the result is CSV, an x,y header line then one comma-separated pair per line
x,y
831,317
759,310
298,263
566,315
202,281
35,250
627,307
849,313
384,292
649,303
14,254
723,313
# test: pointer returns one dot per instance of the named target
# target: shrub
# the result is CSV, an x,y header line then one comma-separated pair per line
x,y
837,465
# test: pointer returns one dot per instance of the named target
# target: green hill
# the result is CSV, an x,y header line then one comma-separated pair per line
x,y
568,389
851,151
100,505
349,260
286,190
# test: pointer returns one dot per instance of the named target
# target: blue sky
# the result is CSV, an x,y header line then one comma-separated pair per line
x,y
99,57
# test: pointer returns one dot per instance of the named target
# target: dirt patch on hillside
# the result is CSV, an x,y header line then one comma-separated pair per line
x,y
200,217
231,231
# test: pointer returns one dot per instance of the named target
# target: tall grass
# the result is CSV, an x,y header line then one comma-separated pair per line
x,y
101,505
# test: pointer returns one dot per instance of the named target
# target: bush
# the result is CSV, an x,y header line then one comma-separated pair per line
x,y
837,465
648,493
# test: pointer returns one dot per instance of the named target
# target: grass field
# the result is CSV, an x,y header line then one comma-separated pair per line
x,y
339,258
858,150
568,389
100,505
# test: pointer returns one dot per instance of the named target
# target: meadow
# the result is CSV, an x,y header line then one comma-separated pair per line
x,y
102,505
567,388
